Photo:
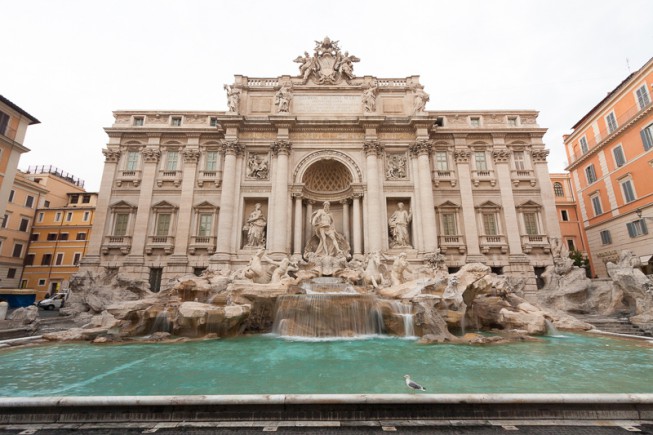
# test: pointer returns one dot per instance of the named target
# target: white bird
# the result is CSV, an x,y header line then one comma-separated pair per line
x,y
413,385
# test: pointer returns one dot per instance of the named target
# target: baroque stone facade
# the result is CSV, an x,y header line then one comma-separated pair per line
x,y
184,191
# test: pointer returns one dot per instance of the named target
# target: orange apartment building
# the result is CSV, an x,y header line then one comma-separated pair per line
x,y
611,164
571,225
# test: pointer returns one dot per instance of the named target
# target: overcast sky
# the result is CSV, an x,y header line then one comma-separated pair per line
x,y
71,63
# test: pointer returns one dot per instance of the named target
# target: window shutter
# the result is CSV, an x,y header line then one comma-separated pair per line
x,y
631,229
644,229
646,139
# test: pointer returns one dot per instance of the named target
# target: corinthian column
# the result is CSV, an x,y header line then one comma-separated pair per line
x,y
501,159
297,236
546,191
150,162
422,149
231,149
372,149
191,156
279,230
462,157
111,158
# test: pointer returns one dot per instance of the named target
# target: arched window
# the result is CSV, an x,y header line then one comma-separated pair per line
x,y
557,189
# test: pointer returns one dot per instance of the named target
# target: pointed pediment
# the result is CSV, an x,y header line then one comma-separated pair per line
x,y
124,205
529,204
164,205
489,205
205,205
448,204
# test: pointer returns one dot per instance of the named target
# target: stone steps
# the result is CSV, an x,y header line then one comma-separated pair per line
x,y
615,325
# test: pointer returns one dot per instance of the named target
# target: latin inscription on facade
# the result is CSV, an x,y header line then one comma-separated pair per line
x,y
327,104
393,105
261,105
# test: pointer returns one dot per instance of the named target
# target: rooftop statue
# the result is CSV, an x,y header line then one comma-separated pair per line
x,y
328,65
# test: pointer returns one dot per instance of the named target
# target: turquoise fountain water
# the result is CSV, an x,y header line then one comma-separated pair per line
x,y
272,365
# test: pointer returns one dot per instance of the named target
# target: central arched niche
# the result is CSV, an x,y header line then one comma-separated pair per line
x,y
327,179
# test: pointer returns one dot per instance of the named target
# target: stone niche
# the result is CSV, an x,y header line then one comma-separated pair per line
x,y
254,228
396,238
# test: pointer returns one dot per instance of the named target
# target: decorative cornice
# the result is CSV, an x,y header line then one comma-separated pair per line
x,y
281,147
372,147
111,156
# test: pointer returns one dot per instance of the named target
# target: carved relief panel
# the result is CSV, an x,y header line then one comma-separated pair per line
x,y
258,166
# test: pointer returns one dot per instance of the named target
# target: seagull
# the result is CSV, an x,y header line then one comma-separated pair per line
x,y
413,385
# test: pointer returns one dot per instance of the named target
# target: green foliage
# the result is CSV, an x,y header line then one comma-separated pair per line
x,y
579,259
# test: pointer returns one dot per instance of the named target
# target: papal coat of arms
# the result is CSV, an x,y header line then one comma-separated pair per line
x,y
328,65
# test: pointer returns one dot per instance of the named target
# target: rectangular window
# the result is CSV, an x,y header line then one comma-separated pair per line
x,y
34,237
46,260
24,225
86,199
647,137
211,162
475,122
490,224
11,196
11,273
132,161
642,97
29,260
606,237
76,258
481,163
571,245
46,204
59,260
5,221
564,214
41,216
175,121
619,158
449,224
611,122
204,229
87,214
530,223
74,199
138,121
171,160
628,191
590,174
29,201
583,144
69,216
63,236
637,228
57,216
41,282
18,250
120,227
52,236
518,157
213,122
441,161
81,236
163,224
596,203
4,122
512,121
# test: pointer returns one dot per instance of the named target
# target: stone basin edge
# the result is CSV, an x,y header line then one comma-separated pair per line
x,y
286,399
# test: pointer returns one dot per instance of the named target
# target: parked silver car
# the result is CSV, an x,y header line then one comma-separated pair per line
x,y
55,301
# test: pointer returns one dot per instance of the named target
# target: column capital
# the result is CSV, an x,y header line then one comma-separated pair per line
x,y
281,147
151,155
231,147
372,147
462,156
111,156
501,155
539,156
421,147
191,155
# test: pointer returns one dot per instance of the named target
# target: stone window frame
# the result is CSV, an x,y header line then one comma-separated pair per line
x,y
138,120
611,124
616,156
627,179
606,237
176,120
558,189
590,174
122,207
584,145
597,206
449,208
489,208
205,208
527,208
636,94
161,208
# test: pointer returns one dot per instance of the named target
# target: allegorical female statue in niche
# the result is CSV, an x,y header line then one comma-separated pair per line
x,y
255,227
398,224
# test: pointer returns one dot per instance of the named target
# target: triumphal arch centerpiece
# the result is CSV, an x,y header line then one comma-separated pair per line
x,y
326,163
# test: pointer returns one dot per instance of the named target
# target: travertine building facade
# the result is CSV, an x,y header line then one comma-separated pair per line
x,y
183,191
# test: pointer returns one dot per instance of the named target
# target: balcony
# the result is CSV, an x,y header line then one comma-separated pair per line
x,y
172,176
129,176
480,175
531,241
493,242
439,175
452,243
214,177
122,243
166,243
526,175
202,243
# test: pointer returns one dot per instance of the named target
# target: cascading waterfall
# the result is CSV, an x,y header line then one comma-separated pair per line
x,y
405,311
327,315
162,323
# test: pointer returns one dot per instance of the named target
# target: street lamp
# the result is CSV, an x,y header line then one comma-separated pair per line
x,y
638,212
